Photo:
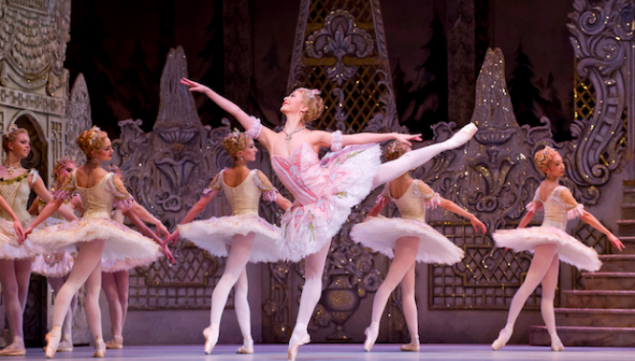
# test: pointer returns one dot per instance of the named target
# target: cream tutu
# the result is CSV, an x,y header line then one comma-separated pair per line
x,y
559,207
325,192
380,234
215,234
9,247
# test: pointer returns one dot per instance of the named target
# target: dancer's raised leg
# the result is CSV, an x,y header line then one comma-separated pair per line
x,y
413,159
311,292
236,261
405,254
410,309
549,284
543,257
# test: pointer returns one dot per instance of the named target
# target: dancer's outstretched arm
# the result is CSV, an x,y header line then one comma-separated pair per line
x,y
382,200
266,135
454,208
527,218
40,189
48,211
149,218
325,139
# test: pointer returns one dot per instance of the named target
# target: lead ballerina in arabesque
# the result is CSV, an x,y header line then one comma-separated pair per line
x,y
325,189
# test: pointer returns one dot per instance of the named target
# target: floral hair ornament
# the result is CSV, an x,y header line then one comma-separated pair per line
x,y
545,153
392,147
234,135
66,159
12,129
95,131
310,93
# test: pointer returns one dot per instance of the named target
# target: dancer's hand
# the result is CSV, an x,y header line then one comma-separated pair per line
x,y
406,138
476,223
616,242
25,234
161,230
173,237
17,225
167,253
194,86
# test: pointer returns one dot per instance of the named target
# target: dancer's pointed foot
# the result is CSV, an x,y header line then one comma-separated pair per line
x,y
462,136
371,333
16,348
556,344
503,337
52,341
247,347
100,348
293,348
66,345
211,337
413,346
116,343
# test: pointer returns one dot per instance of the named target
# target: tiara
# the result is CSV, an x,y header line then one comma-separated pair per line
x,y
95,130
12,129
393,146
65,159
233,135
310,93
545,153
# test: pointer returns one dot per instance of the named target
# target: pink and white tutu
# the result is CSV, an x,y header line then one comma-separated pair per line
x,y
214,234
53,264
325,191
380,234
570,250
9,247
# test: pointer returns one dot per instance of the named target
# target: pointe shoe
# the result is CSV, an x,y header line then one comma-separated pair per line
x,y
66,345
293,349
462,136
52,341
503,337
16,348
211,337
371,333
556,344
247,347
100,348
413,346
116,343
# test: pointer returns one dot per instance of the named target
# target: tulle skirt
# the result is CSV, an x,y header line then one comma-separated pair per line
x,y
307,228
570,250
53,264
381,234
214,234
9,247
122,244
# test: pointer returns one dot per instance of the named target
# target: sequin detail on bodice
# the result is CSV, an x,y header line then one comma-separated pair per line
x,y
302,174
97,200
409,205
243,198
16,193
555,209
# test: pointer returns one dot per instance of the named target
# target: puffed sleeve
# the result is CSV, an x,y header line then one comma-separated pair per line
x,y
536,203
429,196
336,141
123,199
384,197
214,187
66,190
269,192
574,210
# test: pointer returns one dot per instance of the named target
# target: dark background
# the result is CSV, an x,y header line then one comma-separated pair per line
x,y
121,46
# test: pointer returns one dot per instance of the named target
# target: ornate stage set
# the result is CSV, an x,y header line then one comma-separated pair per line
x,y
340,48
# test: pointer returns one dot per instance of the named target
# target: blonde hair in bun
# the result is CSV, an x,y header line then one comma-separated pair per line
x,y
235,142
543,157
312,99
395,150
92,139
11,135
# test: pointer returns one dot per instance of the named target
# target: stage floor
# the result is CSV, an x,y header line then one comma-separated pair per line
x,y
331,352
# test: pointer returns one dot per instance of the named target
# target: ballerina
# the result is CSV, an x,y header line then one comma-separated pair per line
x,y
242,237
56,266
549,243
95,234
325,190
406,241
115,274
16,184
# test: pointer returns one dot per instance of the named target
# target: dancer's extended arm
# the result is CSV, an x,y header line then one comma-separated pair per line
x,y
328,139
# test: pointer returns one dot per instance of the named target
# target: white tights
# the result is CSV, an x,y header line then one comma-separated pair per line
x,y
235,274
87,269
115,286
67,330
14,279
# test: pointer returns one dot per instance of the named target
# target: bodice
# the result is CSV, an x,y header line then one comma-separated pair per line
x,y
98,199
243,198
409,205
302,174
16,193
555,209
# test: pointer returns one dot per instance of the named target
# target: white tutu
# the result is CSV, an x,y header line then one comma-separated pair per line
x,y
381,233
307,228
121,243
214,234
9,247
570,250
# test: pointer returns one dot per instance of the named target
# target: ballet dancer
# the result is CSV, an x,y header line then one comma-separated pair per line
x,y
96,234
16,184
325,190
406,240
56,266
550,243
242,237
115,274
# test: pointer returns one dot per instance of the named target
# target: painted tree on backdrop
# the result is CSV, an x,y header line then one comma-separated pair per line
x,y
427,104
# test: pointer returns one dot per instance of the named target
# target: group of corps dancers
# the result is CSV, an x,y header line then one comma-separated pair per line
x,y
97,249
